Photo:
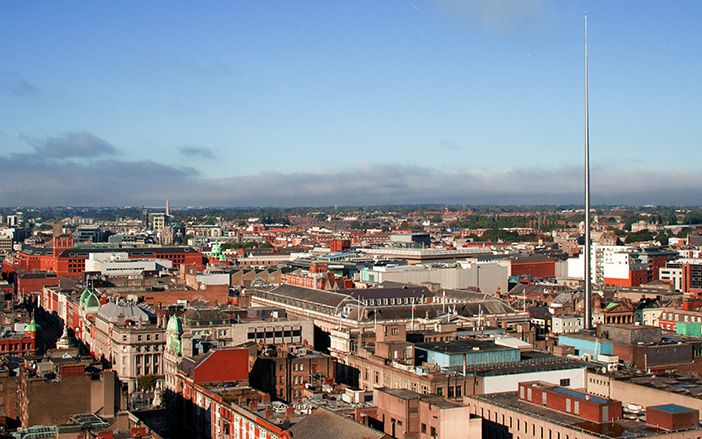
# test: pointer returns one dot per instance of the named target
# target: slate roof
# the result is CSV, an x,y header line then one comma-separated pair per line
x,y
112,311
323,424
311,295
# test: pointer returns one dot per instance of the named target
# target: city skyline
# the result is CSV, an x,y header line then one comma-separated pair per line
x,y
307,104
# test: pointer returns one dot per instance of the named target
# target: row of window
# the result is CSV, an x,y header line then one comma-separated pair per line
x,y
432,430
273,334
676,317
522,426
243,425
392,301
141,337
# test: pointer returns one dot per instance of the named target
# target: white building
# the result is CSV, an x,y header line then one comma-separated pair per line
x,y
648,316
506,380
119,264
613,262
488,276
672,275
213,278
566,324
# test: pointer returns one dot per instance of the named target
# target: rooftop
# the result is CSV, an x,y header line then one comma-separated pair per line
x,y
324,424
673,408
624,429
460,346
670,382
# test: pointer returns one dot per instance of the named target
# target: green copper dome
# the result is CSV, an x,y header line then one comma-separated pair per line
x,y
217,252
32,327
84,295
174,326
89,300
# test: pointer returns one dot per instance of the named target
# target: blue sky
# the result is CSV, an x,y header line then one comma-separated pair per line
x,y
217,94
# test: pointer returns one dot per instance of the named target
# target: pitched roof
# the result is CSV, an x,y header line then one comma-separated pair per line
x,y
311,295
112,312
324,424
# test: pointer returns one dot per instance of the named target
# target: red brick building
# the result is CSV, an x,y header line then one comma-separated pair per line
x,y
636,278
19,345
672,417
66,260
586,406
34,282
533,266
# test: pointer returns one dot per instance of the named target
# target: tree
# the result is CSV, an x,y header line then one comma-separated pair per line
x,y
643,235
147,382
662,237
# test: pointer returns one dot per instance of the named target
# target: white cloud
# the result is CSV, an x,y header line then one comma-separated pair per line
x,y
35,180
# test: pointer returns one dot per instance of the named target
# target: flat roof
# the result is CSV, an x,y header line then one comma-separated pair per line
x,y
400,393
460,346
673,408
579,395
622,428
531,366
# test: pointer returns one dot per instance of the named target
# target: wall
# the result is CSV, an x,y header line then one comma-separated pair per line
x,y
586,346
457,424
392,407
471,357
488,277
510,383
533,267
213,293
630,393
50,402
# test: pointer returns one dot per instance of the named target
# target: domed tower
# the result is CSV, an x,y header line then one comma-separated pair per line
x,y
216,253
31,329
89,301
174,329
84,295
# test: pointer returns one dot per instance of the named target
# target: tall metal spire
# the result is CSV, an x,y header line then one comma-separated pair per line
x,y
588,244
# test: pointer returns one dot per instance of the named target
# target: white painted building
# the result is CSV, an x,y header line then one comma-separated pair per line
x,y
119,264
508,380
607,262
672,275
488,276
213,278
648,316
566,324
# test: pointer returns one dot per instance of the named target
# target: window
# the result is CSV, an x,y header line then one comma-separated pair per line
x,y
440,391
432,431
424,428
565,382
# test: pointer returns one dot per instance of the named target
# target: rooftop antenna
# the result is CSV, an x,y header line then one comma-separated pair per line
x,y
588,243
